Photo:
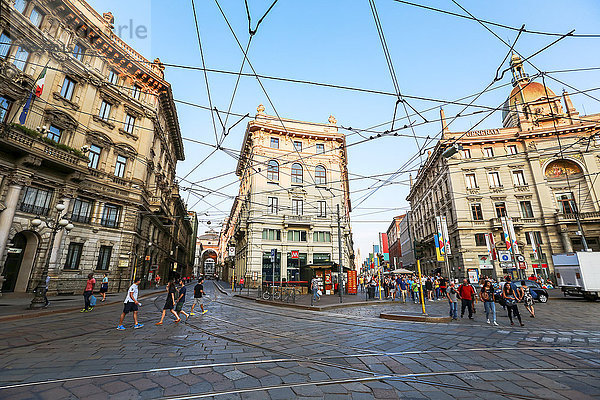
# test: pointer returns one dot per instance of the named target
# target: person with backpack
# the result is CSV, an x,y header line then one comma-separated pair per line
x,y
131,304
87,293
466,293
169,303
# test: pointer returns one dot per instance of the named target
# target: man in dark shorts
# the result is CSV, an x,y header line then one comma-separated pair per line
x,y
181,300
131,305
198,293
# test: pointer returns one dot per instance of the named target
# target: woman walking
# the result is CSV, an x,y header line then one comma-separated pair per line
x,y
511,299
104,287
87,293
527,299
169,303
487,296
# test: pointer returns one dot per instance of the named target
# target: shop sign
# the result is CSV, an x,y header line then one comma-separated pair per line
x,y
352,282
522,265
295,254
14,250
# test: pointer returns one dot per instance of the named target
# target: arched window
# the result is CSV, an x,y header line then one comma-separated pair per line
x,y
273,170
296,173
320,175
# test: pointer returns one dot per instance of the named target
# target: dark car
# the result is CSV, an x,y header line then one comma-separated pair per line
x,y
537,292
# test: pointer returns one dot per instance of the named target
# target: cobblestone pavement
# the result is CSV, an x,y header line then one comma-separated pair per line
x,y
244,350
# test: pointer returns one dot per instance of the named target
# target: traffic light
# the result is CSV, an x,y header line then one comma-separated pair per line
x,y
419,249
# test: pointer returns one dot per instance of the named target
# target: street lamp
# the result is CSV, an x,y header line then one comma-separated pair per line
x,y
55,225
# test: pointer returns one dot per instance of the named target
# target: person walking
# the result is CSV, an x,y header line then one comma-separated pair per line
x,y
452,296
511,300
403,289
487,296
361,284
436,288
169,303
442,286
181,300
429,288
527,298
104,287
242,283
87,293
198,294
157,281
131,304
466,293
314,285
415,290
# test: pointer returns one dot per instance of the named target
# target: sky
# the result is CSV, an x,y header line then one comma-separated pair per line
x,y
434,55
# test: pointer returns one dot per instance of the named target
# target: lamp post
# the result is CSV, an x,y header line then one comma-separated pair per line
x,y
54,225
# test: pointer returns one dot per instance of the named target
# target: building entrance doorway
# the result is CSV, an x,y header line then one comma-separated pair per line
x,y
19,261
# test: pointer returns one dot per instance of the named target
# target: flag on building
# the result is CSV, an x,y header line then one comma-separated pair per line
x,y
513,237
533,244
438,253
506,234
491,246
440,243
446,236
39,84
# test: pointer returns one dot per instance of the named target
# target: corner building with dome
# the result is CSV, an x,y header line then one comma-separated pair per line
x,y
532,179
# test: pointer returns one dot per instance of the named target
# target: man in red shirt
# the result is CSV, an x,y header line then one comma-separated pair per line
x,y
466,294
532,278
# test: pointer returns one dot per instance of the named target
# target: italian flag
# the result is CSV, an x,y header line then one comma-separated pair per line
x,y
39,85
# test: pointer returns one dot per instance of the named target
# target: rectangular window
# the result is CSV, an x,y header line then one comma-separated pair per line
x,y
120,166
21,57
471,181
466,153
321,208
537,236
67,88
78,52
54,133
82,211
321,258
322,236
297,207
296,236
36,17
476,212
94,156
273,205
20,5
512,149
320,148
271,234
74,256
488,152
494,178
129,123
566,203
36,201
298,145
136,91
526,210
105,110
500,209
5,42
110,216
480,239
5,104
274,143
104,258
113,77
519,178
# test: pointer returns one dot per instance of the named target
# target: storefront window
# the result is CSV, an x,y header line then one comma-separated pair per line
x,y
267,267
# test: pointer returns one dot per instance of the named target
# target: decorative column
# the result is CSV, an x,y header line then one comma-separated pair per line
x,y
15,185
566,240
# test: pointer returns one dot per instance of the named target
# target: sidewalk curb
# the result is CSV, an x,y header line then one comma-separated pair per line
x,y
34,314
414,317
312,308
220,289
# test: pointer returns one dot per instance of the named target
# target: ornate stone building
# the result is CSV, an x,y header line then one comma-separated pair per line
x,y
103,138
293,176
537,173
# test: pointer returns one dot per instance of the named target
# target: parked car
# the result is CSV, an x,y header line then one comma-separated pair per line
x,y
537,292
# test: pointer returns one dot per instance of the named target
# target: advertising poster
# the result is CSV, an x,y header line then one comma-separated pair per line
x,y
352,282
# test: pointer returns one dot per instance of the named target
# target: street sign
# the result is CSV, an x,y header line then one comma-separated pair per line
x,y
520,258
147,258
522,265
232,252
507,265
254,275
504,256
295,253
273,255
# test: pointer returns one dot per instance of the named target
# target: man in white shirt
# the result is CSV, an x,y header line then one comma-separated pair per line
x,y
131,304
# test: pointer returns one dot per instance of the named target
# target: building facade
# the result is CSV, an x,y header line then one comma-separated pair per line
x,y
393,237
521,187
207,255
407,254
293,179
103,138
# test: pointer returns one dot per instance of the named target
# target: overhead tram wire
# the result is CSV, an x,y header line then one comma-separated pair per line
x,y
534,32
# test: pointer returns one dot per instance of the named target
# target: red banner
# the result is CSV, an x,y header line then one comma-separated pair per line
x,y
352,282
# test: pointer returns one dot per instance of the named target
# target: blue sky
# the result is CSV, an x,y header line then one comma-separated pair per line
x,y
434,55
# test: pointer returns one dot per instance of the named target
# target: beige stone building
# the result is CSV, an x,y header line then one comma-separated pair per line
x,y
538,172
103,138
293,176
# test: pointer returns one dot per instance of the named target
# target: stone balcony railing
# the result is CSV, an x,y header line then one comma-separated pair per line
x,y
304,220
584,217
38,147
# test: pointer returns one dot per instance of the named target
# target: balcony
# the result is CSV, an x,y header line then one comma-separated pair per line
x,y
583,217
297,220
157,204
30,142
